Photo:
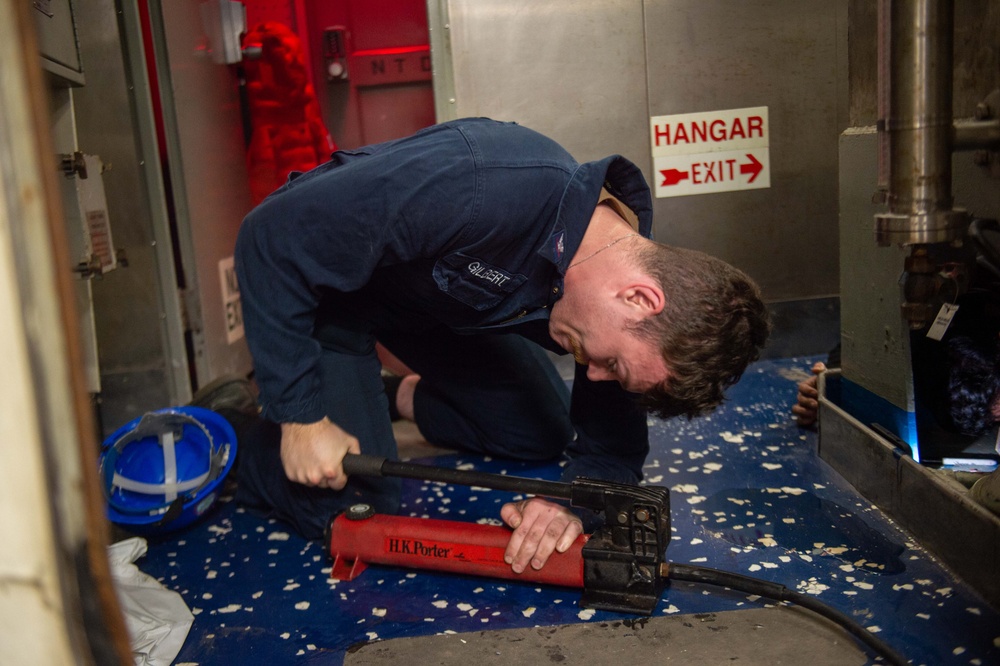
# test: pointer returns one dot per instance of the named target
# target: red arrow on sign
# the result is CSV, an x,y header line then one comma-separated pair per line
x,y
673,176
754,168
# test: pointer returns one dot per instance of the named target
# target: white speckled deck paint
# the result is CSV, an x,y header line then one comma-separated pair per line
x,y
746,490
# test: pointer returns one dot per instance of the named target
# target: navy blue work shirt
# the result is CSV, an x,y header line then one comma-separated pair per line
x,y
469,224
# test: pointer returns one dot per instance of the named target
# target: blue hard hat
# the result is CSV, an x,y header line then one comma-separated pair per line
x,y
161,471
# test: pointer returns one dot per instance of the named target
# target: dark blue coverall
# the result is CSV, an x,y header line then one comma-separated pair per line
x,y
449,247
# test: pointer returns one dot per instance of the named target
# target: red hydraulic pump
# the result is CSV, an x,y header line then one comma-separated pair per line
x,y
359,537
621,566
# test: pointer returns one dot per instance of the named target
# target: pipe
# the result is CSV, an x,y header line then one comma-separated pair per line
x,y
976,135
920,127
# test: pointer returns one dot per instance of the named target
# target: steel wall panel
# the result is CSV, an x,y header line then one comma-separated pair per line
x,y
571,69
207,161
787,55
590,74
142,354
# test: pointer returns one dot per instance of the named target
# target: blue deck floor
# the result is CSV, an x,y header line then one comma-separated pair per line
x,y
749,495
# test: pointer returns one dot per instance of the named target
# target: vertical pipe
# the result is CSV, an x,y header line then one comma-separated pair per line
x,y
920,106
919,125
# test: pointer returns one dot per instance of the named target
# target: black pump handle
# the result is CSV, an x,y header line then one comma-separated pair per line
x,y
365,465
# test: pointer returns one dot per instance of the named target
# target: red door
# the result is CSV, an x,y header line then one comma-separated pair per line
x,y
373,68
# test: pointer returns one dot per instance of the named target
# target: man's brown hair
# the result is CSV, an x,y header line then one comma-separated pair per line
x,y
712,326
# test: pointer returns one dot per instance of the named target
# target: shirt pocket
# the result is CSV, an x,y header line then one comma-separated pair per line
x,y
475,282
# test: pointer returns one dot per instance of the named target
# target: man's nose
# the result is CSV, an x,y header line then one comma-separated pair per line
x,y
596,373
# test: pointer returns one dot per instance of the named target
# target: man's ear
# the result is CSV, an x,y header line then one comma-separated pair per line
x,y
647,297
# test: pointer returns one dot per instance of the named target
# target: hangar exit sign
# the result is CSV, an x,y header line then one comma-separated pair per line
x,y
713,151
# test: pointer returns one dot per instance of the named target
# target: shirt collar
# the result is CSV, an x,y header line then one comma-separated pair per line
x,y
621,178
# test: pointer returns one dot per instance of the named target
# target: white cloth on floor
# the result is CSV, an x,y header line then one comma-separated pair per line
x,y
158,620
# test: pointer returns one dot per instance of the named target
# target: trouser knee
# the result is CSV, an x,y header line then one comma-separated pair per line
x,y
520,426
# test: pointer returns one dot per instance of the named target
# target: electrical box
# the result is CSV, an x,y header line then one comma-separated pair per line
x,y
95,249
57,41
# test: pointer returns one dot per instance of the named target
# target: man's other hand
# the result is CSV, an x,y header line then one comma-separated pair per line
x,y
540,528
313,453
807,401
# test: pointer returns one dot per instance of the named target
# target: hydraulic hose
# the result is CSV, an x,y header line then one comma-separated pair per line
x,y
778,592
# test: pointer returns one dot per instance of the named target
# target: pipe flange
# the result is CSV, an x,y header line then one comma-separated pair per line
x,y
920,228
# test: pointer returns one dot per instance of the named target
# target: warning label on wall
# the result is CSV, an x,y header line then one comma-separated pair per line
x,y
231,304
713,151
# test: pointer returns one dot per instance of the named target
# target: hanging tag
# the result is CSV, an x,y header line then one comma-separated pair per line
x,y
942,321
